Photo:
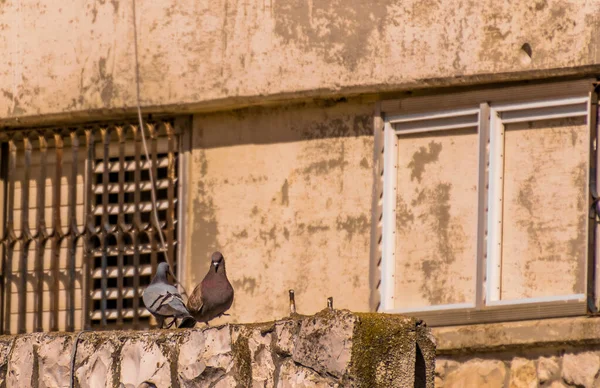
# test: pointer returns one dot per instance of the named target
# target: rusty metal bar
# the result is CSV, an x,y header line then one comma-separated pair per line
x,y
137,226
73,233
121,228
154,227
41,236
90,228
26,236
105,227
3,192
56,232
171,211
10,237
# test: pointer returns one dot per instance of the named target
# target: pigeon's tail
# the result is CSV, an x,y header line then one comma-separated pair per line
x,y
187,322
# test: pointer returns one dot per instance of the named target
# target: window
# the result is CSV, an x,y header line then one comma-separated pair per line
x,y
79,242
485,204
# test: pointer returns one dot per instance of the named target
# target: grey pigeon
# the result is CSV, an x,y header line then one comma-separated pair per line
x,y
164,301
214,295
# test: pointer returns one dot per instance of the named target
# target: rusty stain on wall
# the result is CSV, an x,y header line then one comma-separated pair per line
x,y
285,196
336,30
422,157
353,225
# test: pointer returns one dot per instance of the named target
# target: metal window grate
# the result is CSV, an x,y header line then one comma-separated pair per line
x,y
78,241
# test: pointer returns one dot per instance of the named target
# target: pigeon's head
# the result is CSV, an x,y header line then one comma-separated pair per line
x,y
163,268
217,261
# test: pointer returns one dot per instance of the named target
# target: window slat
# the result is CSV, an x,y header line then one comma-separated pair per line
x,y
129,165
130,187
112,314
131,208
129,250
112,293
112,272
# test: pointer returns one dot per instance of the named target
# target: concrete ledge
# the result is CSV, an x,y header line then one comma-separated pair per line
x,y
331,348
513,335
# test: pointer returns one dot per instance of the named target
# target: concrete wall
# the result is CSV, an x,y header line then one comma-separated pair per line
x,y
215,54
285,194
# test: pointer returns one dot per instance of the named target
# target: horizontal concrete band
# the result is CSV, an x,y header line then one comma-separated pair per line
x,y
367,93
499,337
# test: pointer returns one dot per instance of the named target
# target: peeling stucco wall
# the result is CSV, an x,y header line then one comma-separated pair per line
x,y
330,349
285,194
214,54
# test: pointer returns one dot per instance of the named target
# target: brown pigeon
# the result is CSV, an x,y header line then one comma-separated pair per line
x,y
214,295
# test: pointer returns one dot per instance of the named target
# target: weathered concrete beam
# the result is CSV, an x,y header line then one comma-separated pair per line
x,y
336,348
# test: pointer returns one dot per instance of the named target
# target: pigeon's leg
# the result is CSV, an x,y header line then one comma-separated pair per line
x,y
160,321
226,315
171,324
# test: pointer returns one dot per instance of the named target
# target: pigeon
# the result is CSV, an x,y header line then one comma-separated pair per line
x,y
214,295
164,301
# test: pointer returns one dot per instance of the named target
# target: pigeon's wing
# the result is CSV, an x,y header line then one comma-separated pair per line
x,y
152,297
195,303
164,300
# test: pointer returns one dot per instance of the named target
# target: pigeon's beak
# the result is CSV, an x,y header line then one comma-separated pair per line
x,y
216,264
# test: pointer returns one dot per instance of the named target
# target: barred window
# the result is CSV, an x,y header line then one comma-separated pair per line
x,y
79,240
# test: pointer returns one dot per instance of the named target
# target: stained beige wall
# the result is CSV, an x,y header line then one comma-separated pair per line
x,y
285,194
62,59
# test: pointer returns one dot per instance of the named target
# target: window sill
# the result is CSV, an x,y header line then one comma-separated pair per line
x,y
497,337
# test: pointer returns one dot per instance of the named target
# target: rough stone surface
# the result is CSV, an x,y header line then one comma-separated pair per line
x,y
580,369
325,347
54,360
94,364
291,375
277,354
6,344
562,352
554,369
547,369
557,384
425,357
204,351
477,373
443,366
285,332
523,374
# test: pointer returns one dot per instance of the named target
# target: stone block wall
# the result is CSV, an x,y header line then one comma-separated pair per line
x,y
544,368
546,353
330,349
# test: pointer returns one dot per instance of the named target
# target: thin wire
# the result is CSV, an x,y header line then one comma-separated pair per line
x,y
141,123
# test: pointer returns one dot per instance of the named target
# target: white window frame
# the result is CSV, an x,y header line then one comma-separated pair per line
x,y
494,109
390,187
567,108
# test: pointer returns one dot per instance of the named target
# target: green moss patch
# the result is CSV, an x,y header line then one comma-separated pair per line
x,y
380,347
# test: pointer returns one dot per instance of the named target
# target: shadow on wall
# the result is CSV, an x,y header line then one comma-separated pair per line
x,y
292,123
285,194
